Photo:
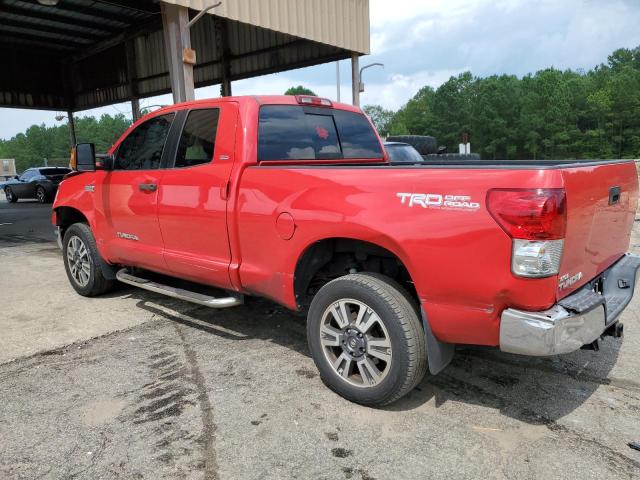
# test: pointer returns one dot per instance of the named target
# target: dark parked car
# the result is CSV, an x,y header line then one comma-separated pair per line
x,y
39,183
402,153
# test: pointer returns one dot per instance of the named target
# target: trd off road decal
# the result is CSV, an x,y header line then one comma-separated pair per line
x,y
437,200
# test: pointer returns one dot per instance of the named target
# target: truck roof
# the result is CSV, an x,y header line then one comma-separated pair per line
x,y
259,99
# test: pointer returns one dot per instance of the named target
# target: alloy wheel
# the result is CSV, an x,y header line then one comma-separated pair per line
x,y
356,342
78,261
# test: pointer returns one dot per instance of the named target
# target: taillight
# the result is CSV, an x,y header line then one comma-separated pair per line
x,y
315,101
536,220
539,214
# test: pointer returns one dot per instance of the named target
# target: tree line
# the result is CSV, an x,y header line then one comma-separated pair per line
x,y
39,142
551,114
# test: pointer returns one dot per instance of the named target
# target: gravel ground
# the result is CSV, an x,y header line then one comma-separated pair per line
x,y
137,385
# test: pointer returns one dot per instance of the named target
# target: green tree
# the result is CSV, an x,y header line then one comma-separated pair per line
x,y
300,90
380,117
547,115
40,142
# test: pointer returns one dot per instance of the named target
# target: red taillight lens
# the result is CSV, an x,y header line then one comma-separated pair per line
x,y
536,214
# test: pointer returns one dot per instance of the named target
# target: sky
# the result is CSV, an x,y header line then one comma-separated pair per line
x,y
424,42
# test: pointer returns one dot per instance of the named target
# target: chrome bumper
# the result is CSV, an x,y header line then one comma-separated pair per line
x,y
574,321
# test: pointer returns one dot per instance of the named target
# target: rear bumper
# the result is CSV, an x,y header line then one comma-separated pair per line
x,y
574,321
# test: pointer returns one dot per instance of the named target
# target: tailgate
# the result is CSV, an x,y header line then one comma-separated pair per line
x,y
601,207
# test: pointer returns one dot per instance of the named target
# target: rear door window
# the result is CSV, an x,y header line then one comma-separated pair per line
x,y
198,138
143,147
289,132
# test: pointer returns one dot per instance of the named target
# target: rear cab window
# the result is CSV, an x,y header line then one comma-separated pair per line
x,y
291,132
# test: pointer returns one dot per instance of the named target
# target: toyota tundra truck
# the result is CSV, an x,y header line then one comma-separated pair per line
x,y
292,198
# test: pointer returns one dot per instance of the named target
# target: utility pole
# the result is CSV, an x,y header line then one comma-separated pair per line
x,y
338,80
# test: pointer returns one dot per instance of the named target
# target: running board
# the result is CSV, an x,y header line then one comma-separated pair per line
x,y
205,300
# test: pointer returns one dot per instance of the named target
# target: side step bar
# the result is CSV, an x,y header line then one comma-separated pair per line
x,y
205,300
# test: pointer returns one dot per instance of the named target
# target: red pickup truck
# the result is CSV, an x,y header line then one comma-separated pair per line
x,y
292,198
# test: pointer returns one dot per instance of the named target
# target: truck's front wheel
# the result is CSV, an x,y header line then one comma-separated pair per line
x,y
366,339
82,261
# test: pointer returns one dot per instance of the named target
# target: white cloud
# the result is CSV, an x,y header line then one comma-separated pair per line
x,y
399,88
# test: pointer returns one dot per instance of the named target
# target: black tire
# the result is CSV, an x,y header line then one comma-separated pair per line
x,y
96,283
11,197
452,156
41,195
396,310
424,144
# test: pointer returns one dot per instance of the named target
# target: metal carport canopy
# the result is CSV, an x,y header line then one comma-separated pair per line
x,y
82,54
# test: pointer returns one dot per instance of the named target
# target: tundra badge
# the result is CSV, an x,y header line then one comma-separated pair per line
x,y
127,236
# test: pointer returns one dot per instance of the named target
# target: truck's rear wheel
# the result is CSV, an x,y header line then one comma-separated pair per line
x,y
82,262
366,339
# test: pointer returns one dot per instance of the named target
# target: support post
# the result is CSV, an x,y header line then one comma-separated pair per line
x,y
135,109
222,45
177,40
130,51
72,128
338,80
355,78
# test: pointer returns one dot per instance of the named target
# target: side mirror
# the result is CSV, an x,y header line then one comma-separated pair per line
x,y
104,161
83,157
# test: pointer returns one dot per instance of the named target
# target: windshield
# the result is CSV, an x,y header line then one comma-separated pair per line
x,y
403,154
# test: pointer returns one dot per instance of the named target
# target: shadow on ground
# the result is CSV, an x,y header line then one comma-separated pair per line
x,y
537,391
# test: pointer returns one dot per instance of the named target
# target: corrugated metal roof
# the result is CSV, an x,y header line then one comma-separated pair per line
x,y
73,56
339,23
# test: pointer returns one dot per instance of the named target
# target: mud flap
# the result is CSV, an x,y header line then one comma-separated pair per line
x,y
108,271
439,354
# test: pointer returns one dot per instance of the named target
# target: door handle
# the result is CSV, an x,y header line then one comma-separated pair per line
x,y
148,187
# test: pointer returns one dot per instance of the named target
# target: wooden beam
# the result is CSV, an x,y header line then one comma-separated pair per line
x,y
177,39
